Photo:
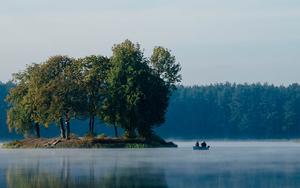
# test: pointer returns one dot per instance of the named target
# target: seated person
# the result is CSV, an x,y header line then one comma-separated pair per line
x,y
197,144
203,144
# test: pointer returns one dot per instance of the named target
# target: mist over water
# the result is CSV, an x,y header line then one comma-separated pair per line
x,y
240,143
227,164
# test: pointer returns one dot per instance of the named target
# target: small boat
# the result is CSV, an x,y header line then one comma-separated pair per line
x,y
201,148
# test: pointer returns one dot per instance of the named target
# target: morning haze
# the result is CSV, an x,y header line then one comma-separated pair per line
x,y
215,41
104,111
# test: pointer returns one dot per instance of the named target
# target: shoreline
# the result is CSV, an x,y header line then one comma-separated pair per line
x,y
83,142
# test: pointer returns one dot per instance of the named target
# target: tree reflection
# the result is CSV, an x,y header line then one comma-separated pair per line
x,y
36,175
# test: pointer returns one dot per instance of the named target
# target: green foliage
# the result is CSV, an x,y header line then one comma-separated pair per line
x,y
94,71
60,88
126,90
124,93
164,65
22,114
234,111
137,94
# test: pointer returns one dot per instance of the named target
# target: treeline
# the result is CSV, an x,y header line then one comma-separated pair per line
x,y
4,89
234,111
126,90
217,111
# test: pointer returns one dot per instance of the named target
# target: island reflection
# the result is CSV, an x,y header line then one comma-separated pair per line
x,y
227,167
35,175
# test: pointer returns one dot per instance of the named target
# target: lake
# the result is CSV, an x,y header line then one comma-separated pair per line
x,y
226,165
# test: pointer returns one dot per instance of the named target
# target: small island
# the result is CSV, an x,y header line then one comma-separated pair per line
x,y
126,91
79,142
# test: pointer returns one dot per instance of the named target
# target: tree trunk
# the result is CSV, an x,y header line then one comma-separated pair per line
x,y
90,125
93,124
68,125
145,132
130,132
37,130
62,129
116,130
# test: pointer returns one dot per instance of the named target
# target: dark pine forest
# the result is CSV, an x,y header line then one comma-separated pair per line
x,y
259,111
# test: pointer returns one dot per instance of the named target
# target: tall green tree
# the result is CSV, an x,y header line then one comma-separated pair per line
x,y
138,90
22,114
94,81
128,63
60,93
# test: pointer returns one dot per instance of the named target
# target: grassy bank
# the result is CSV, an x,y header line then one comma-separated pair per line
x,y
88,142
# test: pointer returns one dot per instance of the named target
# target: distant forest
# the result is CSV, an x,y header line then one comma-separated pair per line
x,y
233,111
227,110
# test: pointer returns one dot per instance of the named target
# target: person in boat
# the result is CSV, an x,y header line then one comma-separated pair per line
x,y
203,144
197,144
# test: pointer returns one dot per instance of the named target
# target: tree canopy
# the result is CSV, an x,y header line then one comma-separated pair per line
x,y
126,90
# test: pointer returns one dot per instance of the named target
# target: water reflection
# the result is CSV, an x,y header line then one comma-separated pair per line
x,y
221,167
238,179
65,174
35,175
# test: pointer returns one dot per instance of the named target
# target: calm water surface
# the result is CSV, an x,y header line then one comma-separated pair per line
x,y
227,164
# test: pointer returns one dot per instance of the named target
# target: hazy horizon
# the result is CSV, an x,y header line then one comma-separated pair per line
x,y
215,41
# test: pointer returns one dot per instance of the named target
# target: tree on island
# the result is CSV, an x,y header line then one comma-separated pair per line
x,y
138,95
22,115
126,90
61,93
94,82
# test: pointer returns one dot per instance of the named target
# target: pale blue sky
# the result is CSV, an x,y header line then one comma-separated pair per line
x,y
214,40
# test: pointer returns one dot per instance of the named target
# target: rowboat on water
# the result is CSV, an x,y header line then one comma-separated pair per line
x,y
201,148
